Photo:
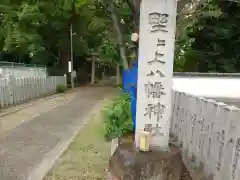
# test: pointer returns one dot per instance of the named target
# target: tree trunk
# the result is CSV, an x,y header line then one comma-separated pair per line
x,y
134,5
103,73
118,75
93,71
136,15
119,35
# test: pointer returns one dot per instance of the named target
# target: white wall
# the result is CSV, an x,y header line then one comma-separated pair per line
x,y
226,87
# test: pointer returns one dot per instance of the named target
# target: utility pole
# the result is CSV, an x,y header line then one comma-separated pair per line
x,y
71,68
71,43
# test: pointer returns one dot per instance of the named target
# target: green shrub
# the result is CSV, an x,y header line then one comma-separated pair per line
x,y
60,88
117,117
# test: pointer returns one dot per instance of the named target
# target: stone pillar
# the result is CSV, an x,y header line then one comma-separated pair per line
x,y
155,69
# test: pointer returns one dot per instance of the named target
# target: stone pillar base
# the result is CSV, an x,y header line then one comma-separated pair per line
x,y
127,163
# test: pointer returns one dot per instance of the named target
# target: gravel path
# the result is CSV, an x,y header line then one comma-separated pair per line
x,y
24,148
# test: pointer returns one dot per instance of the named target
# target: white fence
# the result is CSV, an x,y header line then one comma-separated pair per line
x,y
21,89
209,133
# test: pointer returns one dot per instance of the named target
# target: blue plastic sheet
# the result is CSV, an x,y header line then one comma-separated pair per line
x,y
130,86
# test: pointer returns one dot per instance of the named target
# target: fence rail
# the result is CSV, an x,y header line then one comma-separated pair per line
x,y
17,90
21,69
209,133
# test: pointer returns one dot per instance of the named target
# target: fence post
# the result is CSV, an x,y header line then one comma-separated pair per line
x,y
31,91
45,85
23,89
17,91
173,109
210,114
197,141
20,89
35,87
185,121
27,89
202,132
6,99
216,134
55,84
176,114
41,85
182,120
222,131
51,85
11,89
180,116
233,149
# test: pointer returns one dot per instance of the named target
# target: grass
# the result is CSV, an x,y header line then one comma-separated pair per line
x,y
86,158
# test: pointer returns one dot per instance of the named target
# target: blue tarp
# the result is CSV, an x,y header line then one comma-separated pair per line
x,y
130,85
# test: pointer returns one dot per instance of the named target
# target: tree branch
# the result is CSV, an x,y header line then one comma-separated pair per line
x,y
105,7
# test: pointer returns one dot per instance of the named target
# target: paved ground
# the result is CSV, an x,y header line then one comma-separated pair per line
x,y
28,146
29,111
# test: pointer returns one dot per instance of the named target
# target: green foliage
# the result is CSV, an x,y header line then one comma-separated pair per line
x,y
38,31
60,88
117,117
211,42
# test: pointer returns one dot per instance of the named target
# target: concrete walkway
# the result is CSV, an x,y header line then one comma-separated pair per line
x,y
30,149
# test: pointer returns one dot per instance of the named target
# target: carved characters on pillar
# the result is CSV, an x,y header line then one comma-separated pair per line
x,y
235,160
155,89
154,129
156,73
161,42
158,22
155,110
157,59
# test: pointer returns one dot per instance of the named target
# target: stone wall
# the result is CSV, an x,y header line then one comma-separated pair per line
x,y
209,134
